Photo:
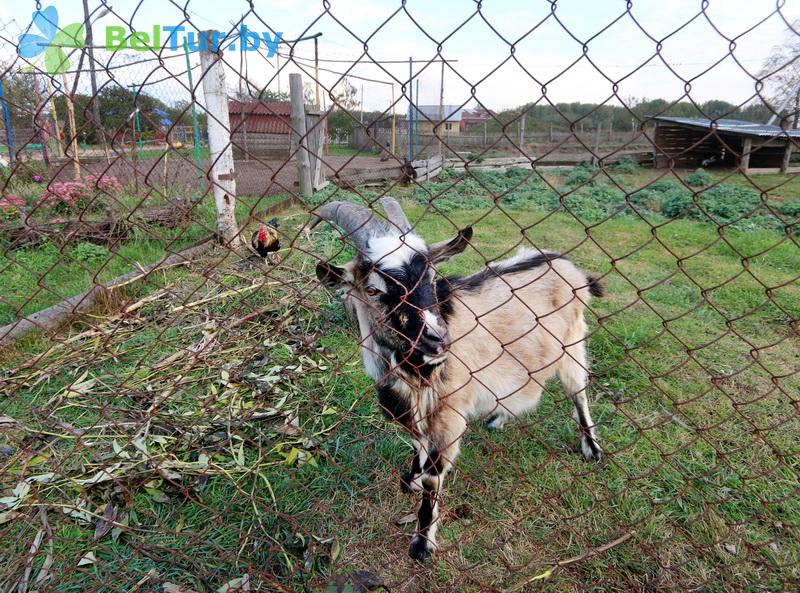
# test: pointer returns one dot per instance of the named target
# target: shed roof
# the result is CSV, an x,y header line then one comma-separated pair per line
x,y
260,108
261,117
731,126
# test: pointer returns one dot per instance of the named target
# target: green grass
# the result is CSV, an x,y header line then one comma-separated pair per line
x,y
695,389
42,275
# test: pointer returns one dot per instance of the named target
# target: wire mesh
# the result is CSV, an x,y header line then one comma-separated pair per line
x,y
186,409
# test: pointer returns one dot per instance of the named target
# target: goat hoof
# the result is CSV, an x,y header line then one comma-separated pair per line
x,y
496,421
591,450
421,549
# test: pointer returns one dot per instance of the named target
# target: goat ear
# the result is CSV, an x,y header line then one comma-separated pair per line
x,y
333,276
443,251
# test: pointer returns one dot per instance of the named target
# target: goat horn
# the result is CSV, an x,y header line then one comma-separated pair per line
x,y
395,215
357,222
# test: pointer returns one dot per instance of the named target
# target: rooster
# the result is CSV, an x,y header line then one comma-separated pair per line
x,y
266,240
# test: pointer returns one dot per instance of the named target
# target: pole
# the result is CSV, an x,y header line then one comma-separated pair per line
x,y
299,135
522,132
59,149
222,174
362,103
7,121
441,108
76,164
37,122
101,134
195,125
278,70
416,118
316,69
410,110
394,123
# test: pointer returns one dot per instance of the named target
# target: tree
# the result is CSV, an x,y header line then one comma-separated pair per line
x,y
20,98
781,75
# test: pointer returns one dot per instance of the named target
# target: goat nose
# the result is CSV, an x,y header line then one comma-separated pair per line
x,y
438,339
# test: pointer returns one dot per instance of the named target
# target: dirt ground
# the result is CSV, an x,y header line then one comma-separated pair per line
x,y
253,177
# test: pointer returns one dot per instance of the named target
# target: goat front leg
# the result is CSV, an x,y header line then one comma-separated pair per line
x,y
443,448
411,481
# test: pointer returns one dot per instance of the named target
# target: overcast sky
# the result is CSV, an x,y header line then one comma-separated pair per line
x,y
548,44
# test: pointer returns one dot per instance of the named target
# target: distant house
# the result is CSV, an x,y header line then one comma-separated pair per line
x,y
688,142
473,117
429,121
260,129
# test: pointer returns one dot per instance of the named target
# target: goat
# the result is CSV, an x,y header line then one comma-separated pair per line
x,y
443,351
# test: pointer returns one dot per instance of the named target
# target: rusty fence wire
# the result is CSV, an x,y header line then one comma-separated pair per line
x,y
259,332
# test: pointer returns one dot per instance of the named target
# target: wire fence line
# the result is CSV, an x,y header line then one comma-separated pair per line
x,y
239,355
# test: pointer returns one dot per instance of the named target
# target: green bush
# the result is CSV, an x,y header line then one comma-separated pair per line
x,y
790,209
699,178
581,175
626,166
90,253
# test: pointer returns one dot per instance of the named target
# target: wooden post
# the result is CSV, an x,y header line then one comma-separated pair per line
x,y
596,152
76,164
222,174
394,124
441,108
550,137
51,95
299,134
745,162
522,132
787,156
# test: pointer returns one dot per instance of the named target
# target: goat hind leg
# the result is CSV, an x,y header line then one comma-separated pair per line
x,y
575,378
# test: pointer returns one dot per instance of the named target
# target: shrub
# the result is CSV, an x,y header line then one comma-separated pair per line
x,y
678,203
699,178
65,195
89,253
11,207
105,183
626,165
582,174
790,209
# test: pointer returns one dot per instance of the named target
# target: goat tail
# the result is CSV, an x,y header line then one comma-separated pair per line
x,y
596,286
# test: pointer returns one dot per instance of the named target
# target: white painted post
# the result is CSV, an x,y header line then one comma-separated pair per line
x,y
299,136
223,176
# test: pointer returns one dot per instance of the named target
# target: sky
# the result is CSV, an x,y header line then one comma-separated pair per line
x,y
510,53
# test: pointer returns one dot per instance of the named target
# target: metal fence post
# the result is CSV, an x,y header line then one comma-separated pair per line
x,y
222,174
7,121
195,126
299,135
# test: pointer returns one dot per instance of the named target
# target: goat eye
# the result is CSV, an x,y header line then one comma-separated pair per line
x,y
372,291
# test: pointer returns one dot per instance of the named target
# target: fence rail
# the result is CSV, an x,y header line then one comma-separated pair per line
x,y
251,341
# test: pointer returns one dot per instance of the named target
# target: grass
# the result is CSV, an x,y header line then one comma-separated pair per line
x,y
696,377
44,274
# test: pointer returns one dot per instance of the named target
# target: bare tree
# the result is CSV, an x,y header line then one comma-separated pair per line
x,y
781,75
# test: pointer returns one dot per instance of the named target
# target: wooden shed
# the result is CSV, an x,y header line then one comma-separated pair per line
x,y
260,129
685,142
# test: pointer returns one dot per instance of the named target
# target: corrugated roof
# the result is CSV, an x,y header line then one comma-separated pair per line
x,y
261,124
262,117
733,126
260,108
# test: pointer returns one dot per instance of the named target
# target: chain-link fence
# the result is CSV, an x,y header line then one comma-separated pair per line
x,y
277,306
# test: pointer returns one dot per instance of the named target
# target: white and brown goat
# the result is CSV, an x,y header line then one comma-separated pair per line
x,y
443,351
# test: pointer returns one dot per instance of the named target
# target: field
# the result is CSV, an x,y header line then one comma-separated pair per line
x,y
219,427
